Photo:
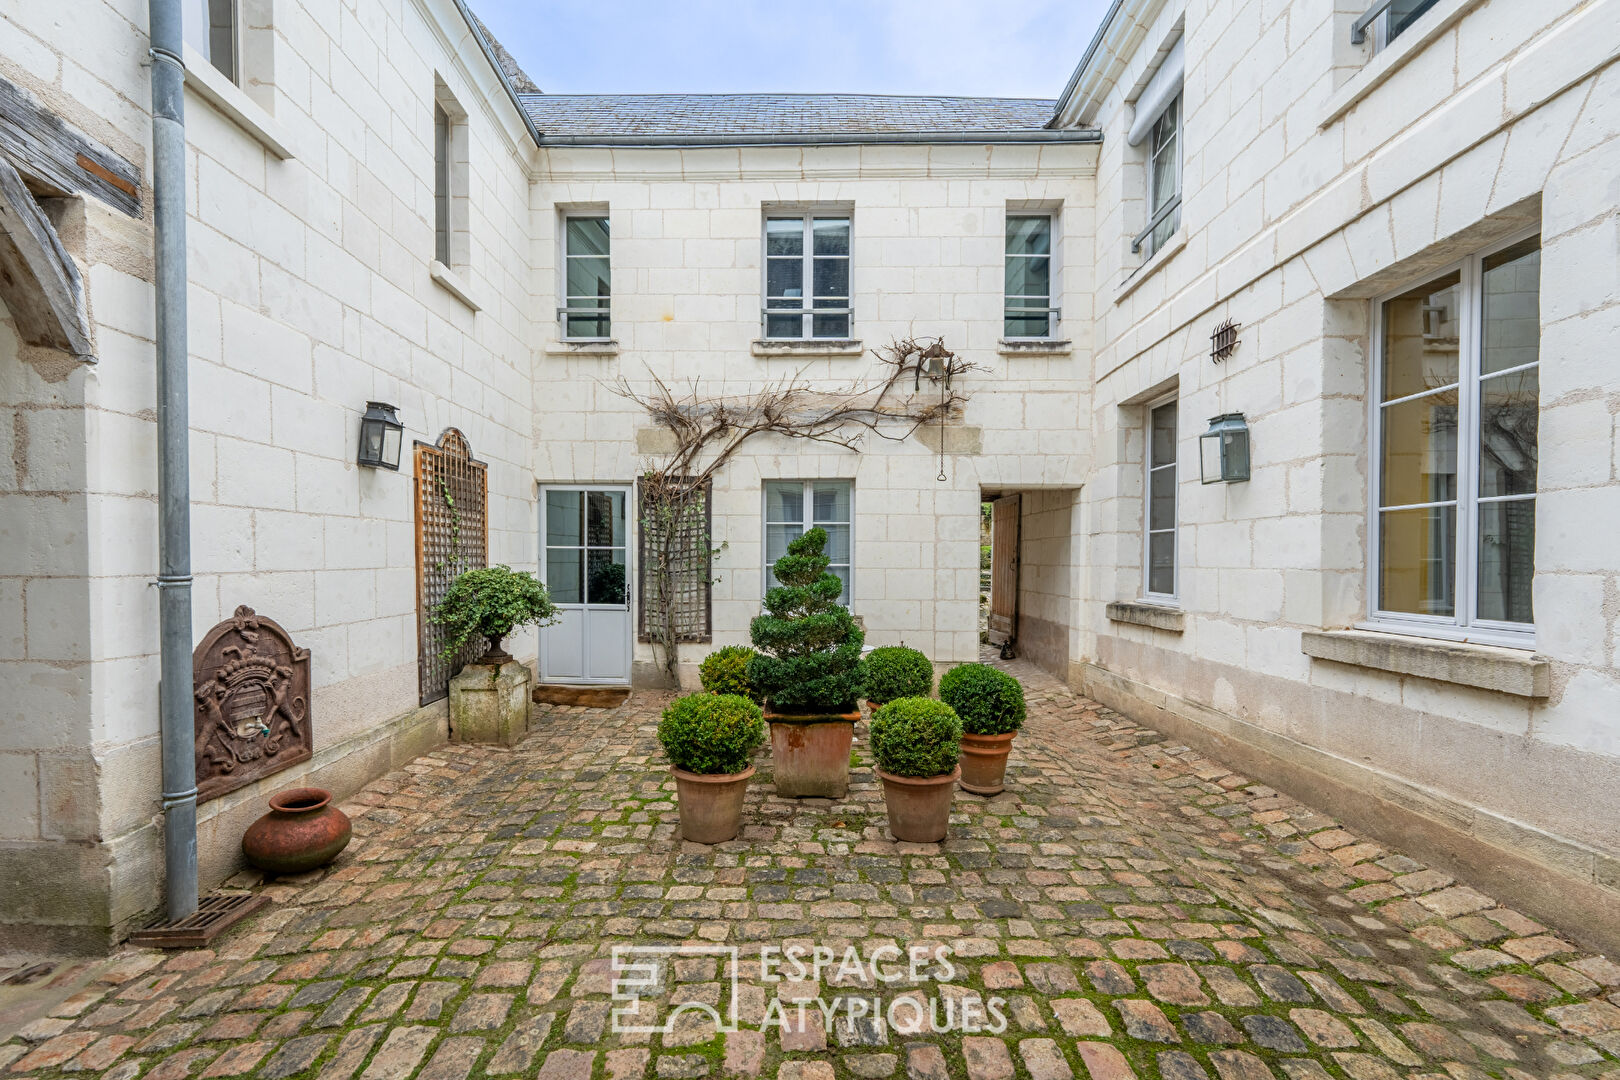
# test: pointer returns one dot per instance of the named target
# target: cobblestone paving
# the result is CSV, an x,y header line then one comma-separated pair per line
x,y
1139,910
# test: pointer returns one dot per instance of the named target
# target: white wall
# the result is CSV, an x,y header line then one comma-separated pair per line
x,y
310,294
928,247
1292,219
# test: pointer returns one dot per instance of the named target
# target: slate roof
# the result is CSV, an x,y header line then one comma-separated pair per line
x,y
741,115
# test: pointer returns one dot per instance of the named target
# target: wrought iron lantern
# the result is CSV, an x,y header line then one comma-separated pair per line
x,y
380,437
1223,450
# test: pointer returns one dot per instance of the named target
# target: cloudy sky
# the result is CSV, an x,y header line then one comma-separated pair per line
x,y
1011,48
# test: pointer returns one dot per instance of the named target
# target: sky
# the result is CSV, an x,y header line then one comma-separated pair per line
x,y
996,48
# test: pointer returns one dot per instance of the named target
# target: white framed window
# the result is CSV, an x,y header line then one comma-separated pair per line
x,y
452,213
1453,423
587,278
1028,277
1159,555
807,257
792,507
1156,126
441,184
212,27
1164,177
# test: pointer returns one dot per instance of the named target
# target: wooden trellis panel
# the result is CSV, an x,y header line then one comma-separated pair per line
x,y
452,535
690,556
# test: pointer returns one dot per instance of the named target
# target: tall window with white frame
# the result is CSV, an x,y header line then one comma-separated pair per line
x,y
807,276
1159,539
211,29
1028,278
587,278
441,184
1164,177
792,507
1455,408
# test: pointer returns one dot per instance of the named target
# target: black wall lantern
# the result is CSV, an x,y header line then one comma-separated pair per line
x,y
380,437
1223,450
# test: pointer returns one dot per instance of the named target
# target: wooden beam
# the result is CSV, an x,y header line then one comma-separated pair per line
x,y
48,151
38,280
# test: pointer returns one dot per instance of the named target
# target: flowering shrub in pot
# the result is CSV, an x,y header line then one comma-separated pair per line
x,y
916,743
710,740
991,706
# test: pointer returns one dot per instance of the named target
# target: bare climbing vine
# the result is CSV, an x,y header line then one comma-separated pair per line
x,y
710,430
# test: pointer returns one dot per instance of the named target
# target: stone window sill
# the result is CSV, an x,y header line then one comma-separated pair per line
x,y
1151,267
583,348
213,87
1035,347
451,282
1488,667
1157,616
1430,26
818,347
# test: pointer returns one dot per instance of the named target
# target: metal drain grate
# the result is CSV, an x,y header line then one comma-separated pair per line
x,y
215,914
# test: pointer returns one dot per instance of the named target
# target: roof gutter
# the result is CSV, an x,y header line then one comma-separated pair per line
x,y
1085,62
868,138
500,72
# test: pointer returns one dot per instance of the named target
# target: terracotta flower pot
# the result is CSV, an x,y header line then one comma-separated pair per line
x,y
301,831
810,753
919,806
711,805
984,762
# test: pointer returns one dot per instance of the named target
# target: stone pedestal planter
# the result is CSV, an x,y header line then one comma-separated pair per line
x,y
490,704
919,806
810,753
711,805
984,762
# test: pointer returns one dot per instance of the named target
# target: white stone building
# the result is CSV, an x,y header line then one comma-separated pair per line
x,y
1404,232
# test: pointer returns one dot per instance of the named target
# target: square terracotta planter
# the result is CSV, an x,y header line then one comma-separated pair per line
x,y
810,753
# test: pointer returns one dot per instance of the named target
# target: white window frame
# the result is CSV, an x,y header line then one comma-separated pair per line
x,y
806,511
1145,241
1148,469
562,285
1462,625
201,34
807,280
1053,313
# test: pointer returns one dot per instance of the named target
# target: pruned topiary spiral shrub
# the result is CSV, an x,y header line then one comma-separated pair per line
x,y
810,647
895,671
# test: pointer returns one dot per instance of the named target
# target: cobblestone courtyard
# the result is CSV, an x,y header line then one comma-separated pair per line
x,y
1140,910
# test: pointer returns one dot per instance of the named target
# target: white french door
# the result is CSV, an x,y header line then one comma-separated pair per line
x,y
584,561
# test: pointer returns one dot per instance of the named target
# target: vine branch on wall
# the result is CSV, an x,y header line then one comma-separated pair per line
x,y
710,430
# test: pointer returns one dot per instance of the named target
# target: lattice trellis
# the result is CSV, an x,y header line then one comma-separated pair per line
x,y
452,535
690,557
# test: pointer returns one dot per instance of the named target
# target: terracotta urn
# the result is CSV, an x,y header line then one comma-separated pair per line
x,y
919,806
301,832
711,805
810,753
984,762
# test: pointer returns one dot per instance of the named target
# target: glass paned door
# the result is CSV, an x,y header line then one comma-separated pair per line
x,y
584,564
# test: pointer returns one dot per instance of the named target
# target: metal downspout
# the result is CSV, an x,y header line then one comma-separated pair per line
x,y
174,469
